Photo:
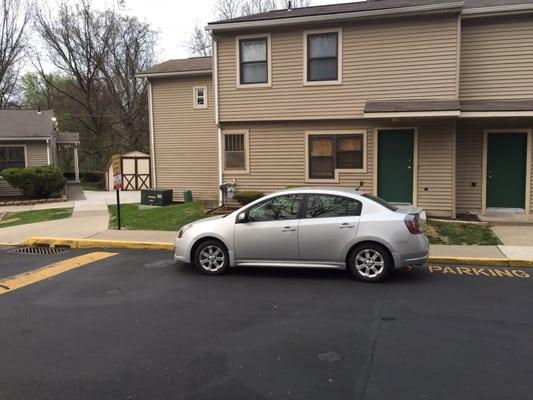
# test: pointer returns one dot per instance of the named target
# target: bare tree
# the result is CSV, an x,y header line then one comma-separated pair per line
x,y
199,44
97,54
14,20
130,50
227,9
76,41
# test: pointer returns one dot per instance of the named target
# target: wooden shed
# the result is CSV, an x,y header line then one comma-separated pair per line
x,y
136,173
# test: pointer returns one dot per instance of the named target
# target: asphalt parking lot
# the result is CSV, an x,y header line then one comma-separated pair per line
x,y
134,325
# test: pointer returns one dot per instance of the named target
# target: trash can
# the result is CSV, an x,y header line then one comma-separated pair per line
x,y
187,196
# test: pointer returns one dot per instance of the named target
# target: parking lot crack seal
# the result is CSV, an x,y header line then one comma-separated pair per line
x,y
376,335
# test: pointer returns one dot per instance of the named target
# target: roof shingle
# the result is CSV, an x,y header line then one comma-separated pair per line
x,y
184,66
20,124
361,6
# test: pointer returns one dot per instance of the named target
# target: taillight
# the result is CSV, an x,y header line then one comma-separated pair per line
x,y
412,222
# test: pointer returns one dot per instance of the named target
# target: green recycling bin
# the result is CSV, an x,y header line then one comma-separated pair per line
x,y
187,196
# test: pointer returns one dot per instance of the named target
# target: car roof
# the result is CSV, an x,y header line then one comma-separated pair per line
x,y
322,189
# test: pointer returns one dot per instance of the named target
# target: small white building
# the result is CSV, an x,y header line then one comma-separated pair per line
x,y
136,173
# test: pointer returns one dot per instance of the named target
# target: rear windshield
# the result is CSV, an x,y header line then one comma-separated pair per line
x,y
381,202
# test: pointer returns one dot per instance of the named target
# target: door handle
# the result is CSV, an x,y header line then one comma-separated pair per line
x,y
288,229
346,225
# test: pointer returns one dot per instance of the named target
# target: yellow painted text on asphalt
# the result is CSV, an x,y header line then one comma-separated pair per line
x,y
478,271
27,278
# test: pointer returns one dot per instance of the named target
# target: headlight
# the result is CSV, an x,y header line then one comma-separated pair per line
x,y
183,229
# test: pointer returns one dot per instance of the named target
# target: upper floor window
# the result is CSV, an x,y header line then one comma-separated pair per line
x,y
253,56
12,157
200,97
323,56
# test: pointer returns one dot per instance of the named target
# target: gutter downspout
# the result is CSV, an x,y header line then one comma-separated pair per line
x,y
217,121
152,139
48,157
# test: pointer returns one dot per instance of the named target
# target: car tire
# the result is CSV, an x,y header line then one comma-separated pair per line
x,y
370,262
211,258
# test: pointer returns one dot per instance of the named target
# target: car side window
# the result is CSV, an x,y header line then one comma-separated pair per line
x,y
328,206
277,208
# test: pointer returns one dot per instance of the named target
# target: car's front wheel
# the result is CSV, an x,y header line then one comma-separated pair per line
x,y
211,257
370,262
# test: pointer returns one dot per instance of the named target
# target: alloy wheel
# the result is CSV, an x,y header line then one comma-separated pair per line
x,y
212,258
369,263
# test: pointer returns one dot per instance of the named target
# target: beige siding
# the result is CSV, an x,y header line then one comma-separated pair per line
x,y
435,181
470,159
469,170
277,155
397,59
497,58
36,155
277,159
186,149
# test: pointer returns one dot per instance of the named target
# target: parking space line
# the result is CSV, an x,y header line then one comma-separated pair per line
x,y
27,278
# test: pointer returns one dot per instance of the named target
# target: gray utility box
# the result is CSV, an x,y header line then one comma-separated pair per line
x,y
156,197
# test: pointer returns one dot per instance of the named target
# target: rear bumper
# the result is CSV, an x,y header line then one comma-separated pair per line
x,y
416,254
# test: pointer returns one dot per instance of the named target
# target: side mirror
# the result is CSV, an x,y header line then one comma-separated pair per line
x,y
242,218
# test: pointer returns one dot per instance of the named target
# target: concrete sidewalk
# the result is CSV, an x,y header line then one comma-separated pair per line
x,y
90,217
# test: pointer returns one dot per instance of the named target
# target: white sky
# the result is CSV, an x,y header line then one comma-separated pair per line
x,y
175,19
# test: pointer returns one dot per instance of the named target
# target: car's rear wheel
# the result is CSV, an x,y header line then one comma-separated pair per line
x,y
211,257
370,262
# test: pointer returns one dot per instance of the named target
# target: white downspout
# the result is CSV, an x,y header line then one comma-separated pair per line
x,y
76,164
48,157
219,130
152,139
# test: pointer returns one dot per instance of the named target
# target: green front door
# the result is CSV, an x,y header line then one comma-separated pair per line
x,y
506,170
395,165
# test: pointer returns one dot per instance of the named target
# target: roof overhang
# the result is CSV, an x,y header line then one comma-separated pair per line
x,y
449,108
497,10
400,11
171,74
411,114
25,139
412,108
495,114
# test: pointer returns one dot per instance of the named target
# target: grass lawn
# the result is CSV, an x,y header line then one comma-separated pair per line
x,y
29,217
462,234
168,218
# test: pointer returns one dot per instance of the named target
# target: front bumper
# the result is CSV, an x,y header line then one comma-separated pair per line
x,y
180,251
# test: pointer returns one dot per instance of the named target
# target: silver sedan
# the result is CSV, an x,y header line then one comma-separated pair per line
x,y
308,228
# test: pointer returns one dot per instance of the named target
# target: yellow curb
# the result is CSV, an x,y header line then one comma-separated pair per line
x,y
99,243
493,262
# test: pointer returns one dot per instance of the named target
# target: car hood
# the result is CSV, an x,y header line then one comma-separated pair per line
x,y
199,221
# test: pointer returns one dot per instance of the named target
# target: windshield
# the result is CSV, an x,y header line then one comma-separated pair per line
x,y
382,202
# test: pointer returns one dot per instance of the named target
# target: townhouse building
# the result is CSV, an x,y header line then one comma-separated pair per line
x,y
422,102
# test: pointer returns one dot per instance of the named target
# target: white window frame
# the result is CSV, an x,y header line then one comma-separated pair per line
x,y
338,81
268,83
246,133
19,145
195,96
338,171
